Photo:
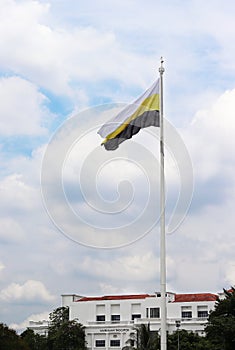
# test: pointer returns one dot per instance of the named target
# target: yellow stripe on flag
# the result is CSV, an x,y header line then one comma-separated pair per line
x,y
151,103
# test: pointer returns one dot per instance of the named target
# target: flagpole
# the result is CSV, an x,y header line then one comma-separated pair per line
x,y
162,221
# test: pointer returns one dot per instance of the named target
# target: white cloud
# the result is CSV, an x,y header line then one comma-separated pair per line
x,y
17,196
107,288
22,110
31,290
135,267
210,138
71,56
69,47
34,317
30,47
2,267
27,167
11,231
230,273
53,57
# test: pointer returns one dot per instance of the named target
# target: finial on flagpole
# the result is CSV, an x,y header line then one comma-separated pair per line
x,y
161,69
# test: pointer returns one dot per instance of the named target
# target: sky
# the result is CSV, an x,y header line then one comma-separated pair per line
x,y
75,218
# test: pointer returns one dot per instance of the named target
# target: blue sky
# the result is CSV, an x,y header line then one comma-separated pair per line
x,y
59,60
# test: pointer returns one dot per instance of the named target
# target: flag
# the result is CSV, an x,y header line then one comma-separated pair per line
x,y
140,114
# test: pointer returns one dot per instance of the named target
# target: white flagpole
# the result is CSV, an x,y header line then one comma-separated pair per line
x,y
162,222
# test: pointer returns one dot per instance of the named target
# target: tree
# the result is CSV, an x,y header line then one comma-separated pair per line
x,y
146,339
9,339
150,340
58,317
220,329
187,340
33,340
64,334
70,336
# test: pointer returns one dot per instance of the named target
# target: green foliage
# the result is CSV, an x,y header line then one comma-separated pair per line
x,y
58,317
33,340
64,334
70,336
149,340
187,341
146,339
220,329
9,339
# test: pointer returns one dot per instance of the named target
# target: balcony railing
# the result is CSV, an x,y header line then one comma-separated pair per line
x,y
147,320
109,322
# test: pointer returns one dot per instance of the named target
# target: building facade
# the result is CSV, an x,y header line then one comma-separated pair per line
x,y
111,321
39,327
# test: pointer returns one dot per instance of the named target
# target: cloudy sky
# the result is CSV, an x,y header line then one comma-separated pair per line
x,y
77,219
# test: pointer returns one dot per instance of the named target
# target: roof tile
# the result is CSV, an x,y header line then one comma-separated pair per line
x,y
181,298
116,297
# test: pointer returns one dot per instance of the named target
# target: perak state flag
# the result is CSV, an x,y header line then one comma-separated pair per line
x,y
140,114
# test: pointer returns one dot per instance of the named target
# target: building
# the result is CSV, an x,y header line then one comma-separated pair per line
x,y
110,321
39,327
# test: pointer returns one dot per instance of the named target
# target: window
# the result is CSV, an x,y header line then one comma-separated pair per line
x,y
186,314
100,343
100,313
202,314
100,309
202,311
115,309
154,312
135,308
115,318
115,342
100,318
133,316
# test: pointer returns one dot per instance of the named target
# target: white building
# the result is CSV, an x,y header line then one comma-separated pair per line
x,y
110,321
39,327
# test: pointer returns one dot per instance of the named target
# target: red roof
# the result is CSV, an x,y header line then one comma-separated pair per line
x,y
116,297
230,290
179,298
182,298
